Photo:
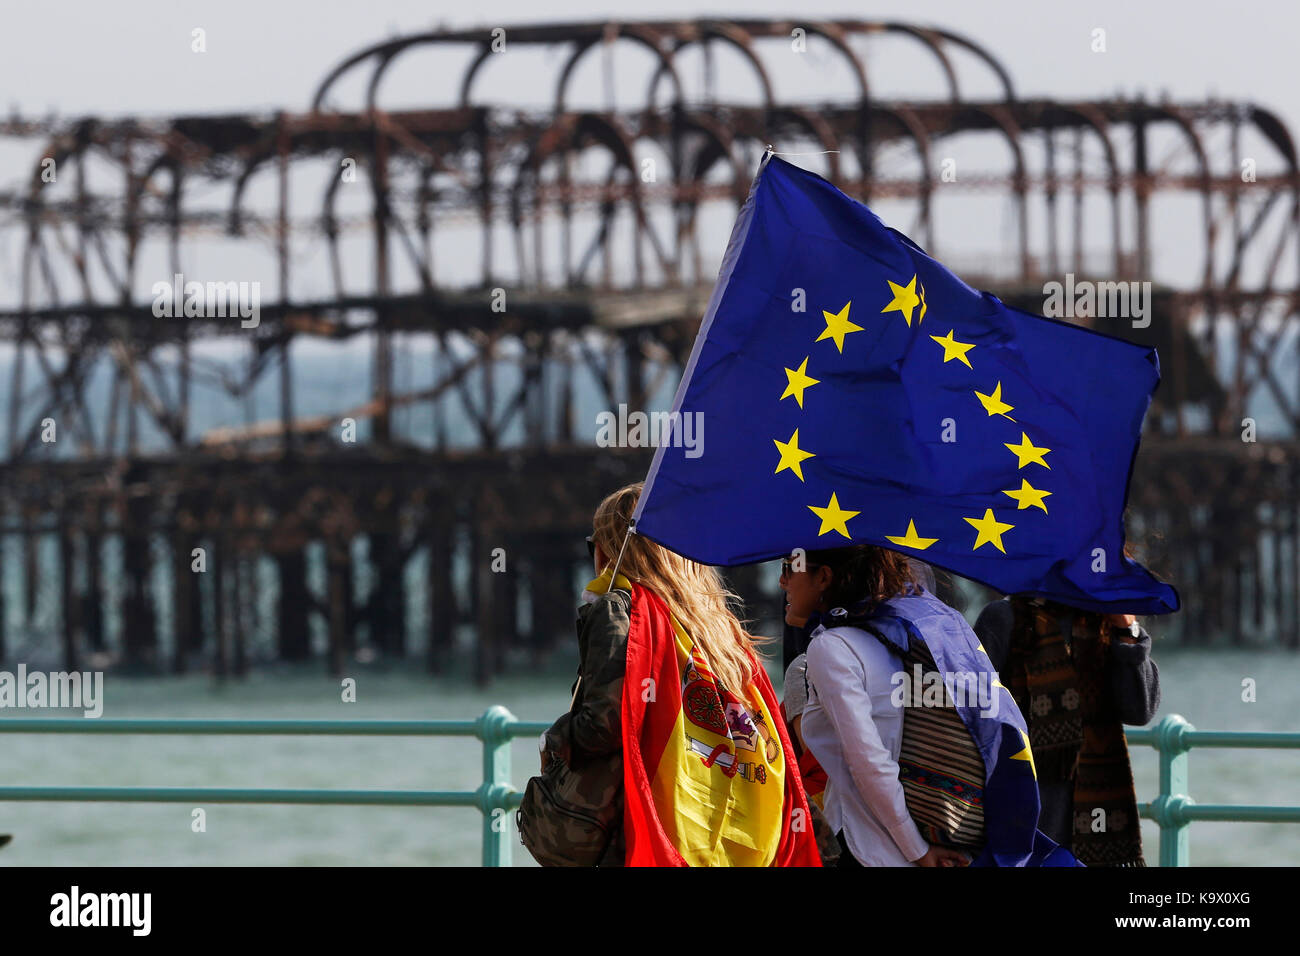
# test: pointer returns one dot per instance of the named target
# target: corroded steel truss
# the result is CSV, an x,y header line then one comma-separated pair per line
x,y
539,248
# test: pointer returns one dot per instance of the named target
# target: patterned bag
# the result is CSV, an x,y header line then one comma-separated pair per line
x,y
570,816
939,764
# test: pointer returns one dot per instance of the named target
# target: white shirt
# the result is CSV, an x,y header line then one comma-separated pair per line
x,y
855,731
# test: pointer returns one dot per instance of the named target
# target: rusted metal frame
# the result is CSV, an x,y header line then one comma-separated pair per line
x,y
719,145
958,40
572,134
1244,237
253,157
1003,120
483,142
1184,122
1263,356
1141,117
628,31
1272,128
487,366
819,129
149,361
124,355
1049,196
531,368
114,403
381,427
412,251
598,369
183,348
457,374
55,381
932,40
1094,119
701,31
598,242
283,149
906,121
72,376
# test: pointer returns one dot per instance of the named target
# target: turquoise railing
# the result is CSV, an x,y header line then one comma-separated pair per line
x,y
1173,809
1173,738
494,798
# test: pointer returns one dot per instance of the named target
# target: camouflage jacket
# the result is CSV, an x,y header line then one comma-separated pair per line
x,y
590,736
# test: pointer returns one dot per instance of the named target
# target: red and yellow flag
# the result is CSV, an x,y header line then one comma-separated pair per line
x,y
709,778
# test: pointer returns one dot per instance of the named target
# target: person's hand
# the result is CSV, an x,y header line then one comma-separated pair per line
x,y
1122,623
942,856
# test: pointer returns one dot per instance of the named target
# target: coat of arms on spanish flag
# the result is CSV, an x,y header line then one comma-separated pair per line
x,y
708,779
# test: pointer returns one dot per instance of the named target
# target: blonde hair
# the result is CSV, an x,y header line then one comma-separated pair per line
x,y
695,593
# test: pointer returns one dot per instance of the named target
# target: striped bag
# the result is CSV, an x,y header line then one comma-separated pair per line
x,y
939,764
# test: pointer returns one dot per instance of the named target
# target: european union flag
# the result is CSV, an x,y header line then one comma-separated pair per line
x,y
856,391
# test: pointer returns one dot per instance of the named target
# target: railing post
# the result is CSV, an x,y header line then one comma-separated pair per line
x,y
493,730
1167,809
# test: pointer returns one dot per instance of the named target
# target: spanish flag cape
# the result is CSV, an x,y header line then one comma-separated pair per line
x,y
709,778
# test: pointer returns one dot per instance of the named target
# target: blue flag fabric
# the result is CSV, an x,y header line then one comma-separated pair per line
x,y
1010,799
856,391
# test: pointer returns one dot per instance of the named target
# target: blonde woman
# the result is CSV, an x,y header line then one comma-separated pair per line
x,y
673,745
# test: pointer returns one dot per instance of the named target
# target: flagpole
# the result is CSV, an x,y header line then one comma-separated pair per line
x,y
631,530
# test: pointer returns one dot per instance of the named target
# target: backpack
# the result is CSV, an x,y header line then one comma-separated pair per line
x,y
571,815
939,763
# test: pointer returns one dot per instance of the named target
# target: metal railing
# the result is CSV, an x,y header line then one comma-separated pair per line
x,y
1174,809
1173,738
494,798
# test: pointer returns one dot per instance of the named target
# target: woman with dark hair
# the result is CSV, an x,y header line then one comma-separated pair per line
x,y
851,722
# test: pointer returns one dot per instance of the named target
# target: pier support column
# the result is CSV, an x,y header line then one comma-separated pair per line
x,y
292,633
139,638
67,594
185,601
337,559
442,596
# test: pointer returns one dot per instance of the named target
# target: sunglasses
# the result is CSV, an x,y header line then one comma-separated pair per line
x,y
787,566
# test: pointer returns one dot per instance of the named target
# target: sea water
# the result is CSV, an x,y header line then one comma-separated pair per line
x,y
1204,686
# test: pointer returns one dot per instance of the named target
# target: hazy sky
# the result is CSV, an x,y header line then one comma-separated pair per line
x,y
88,56
134,56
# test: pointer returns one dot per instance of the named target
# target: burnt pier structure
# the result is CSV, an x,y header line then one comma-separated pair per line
x,y
505,271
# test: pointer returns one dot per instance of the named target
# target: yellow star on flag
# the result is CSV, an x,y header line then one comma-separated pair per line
x,y
1028,496
905,300
792,455
1026,754
911,539
834,518
952,349
990,530
1027,452
993,404
798,379
924,307
838,326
